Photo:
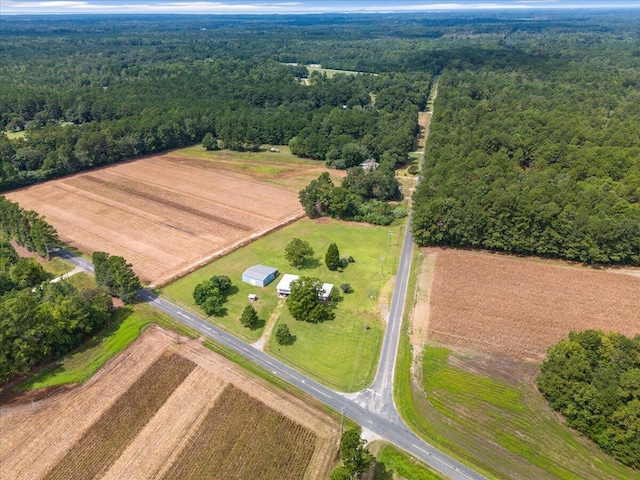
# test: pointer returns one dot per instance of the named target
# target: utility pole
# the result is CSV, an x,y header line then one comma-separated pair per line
x,y
390,235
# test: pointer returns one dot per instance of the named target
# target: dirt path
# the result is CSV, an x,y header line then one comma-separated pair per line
x,y
268,329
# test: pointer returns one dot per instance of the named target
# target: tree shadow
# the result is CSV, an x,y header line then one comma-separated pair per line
x,y
381,472
310,263
259,324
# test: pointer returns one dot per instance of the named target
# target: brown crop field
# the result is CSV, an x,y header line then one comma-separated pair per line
x,y
168,409
518,307
169,213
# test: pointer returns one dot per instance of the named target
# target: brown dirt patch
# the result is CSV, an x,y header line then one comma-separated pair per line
x,y
163,214
518,307
50,430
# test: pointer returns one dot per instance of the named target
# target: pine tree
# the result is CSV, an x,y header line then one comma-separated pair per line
x,y
249,317
332,258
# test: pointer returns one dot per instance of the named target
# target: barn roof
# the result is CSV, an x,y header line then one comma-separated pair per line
x,y
259,272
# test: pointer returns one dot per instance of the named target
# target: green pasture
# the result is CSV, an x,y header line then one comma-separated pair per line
x,y
82,363
502,428
341,353
330,72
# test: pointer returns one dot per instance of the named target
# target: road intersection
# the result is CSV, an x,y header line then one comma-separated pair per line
x,y
373,408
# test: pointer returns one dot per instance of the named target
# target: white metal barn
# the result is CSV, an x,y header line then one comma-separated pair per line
x,y
259,275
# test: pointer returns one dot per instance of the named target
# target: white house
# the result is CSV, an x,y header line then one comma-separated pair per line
x,y
284,287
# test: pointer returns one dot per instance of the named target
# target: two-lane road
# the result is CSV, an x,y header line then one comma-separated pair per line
x,y
386,424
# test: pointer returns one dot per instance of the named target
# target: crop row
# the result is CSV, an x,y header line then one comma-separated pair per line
x,y
107,438
243,438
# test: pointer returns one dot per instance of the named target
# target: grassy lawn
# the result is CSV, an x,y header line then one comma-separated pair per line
x,y
58,267
499,425
389,458
331,72
12,135
81,364
82,280
341,353
264,155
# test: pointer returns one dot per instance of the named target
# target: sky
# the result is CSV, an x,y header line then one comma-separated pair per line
x,y
8,7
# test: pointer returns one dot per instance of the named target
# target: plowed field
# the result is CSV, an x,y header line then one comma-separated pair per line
x,y
168,410
163,214
519,307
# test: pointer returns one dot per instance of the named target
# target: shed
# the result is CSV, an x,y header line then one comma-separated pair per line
x,y
284,285
259,275
370,165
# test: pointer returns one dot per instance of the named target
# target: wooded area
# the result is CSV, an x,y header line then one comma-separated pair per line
x,y
593,379
539,153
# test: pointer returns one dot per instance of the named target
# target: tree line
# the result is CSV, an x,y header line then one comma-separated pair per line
x,y
42,321
541,160
593,379
27,228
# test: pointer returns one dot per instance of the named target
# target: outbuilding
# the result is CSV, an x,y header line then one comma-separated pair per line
x,y
259,275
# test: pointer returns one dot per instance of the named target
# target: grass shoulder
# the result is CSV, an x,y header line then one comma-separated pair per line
x,y
392,463
81,364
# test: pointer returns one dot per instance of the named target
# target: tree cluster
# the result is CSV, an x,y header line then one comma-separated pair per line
x,y
116,275
211,294
593,379
42,321
355,456
304,301
362,197
27,228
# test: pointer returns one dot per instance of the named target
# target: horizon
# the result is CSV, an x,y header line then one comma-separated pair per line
x,y
237,7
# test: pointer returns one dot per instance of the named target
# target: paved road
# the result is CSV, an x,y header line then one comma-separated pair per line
x,y
387,423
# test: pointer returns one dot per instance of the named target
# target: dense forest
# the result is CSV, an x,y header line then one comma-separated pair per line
x,y
89,94
540,157
593,379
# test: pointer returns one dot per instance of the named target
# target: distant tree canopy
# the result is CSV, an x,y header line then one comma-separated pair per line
x,y
115,274
593,379
42,321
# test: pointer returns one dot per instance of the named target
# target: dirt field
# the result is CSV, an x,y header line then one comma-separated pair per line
x,y
163,214
164,409
517,307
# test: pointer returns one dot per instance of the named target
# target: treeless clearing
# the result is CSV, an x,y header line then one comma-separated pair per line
x,y
519,307
163,214
166,420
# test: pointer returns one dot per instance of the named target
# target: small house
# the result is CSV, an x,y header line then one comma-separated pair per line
x,y
325,294
369,165
259,275
284,285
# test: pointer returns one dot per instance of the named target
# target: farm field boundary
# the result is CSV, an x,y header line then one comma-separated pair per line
x,y
179,411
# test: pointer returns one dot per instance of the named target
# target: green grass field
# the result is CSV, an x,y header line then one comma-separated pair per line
x,y
264,155
390,459
57,267
13,135
500,426
81,364
341,353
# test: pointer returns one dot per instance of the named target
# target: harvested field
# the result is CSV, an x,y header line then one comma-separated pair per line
x,y
185,409
163,214
519,307
224,445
